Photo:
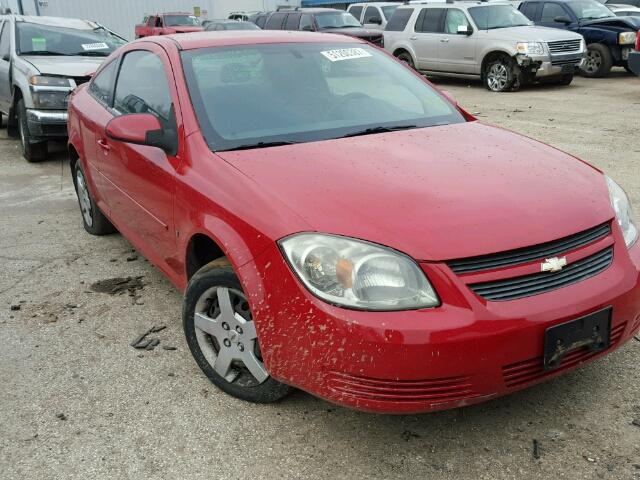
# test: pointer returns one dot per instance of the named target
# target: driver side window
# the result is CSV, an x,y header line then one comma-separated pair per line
x,y
550,11
142,86
455,18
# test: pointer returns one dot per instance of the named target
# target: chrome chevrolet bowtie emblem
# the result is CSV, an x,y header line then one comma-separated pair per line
x,y
554,264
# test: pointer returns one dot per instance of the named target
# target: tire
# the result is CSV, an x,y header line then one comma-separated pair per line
x,y
93,219
502,75
32,151
627,68
214,293
599,61
405,57
566,79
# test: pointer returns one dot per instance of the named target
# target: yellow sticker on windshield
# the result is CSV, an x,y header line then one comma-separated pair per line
x,y
345,54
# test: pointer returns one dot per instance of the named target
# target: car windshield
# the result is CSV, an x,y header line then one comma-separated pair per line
x,y
589,10
263,95
181,21
336,20
498,16
241,26
388,11
38,39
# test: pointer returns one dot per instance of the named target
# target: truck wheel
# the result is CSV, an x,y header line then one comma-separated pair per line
x,y
599,61
405,57
501,75
32,151
566,79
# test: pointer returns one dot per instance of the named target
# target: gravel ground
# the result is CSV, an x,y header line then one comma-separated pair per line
x,y
77,401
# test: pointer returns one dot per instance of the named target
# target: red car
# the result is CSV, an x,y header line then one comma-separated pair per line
x,y
168,23
338,225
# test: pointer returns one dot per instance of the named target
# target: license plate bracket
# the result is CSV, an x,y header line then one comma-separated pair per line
x,y
592,331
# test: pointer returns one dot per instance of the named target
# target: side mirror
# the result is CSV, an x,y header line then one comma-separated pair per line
x,y
143,129
307,28
562,19
6,57
375,20
464,30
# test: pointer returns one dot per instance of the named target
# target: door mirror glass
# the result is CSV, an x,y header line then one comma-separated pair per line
x,y
142,129
307,28
464,30
562,19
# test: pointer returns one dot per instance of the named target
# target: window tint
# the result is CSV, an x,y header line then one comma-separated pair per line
x,y
356,12
306,21
369,13
262,19
430,20
399,20
293,21
454,19
101,87
142,86
551,11
276,21
530,9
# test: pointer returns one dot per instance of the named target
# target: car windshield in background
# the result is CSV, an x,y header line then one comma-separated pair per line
x,y
336,20
241,26
38,39
498,16
264,95
388,11
589,10
181,21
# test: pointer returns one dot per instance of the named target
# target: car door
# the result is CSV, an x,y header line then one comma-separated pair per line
x,y
141,178
550,12
372,18
5,66
425,39
457,51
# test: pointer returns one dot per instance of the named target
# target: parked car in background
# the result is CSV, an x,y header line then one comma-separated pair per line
x,y
167,23
609,38
373,15
631,3
42,59
220,25
500,263
624,10
240,16
328,20
493,42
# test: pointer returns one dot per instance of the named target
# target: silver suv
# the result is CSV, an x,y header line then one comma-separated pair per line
x,y
489,40
42,59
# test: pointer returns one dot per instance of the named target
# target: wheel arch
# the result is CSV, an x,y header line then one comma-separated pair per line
x,y
489,57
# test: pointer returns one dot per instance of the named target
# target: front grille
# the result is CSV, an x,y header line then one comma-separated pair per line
x,y
526,371
560,63
528,285
434,390
528,254
564,46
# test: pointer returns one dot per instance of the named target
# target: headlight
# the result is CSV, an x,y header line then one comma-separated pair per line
x,y
583,45
624,215
625,38
358,274
50,100
43,81
532,48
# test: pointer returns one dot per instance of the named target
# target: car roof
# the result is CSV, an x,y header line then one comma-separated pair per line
x,y
189,41
76,23
379,4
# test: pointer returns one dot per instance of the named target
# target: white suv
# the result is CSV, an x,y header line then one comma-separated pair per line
x,y
373,15
488,40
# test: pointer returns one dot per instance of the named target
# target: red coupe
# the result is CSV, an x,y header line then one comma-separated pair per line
x,y
339,225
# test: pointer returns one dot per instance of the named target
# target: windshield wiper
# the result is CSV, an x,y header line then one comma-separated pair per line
x,y
259,145
92,54
44,52
372,130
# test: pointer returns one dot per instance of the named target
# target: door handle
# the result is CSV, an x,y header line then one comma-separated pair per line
x,y
102,143
413,38
444,40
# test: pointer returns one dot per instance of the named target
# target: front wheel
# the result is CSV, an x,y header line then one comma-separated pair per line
x,y
566,79
502,75
405,57
599,61
33,151
93,219
222,336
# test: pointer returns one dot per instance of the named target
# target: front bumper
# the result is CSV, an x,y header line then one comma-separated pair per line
x,y
47,123
634,62
551,66
467,351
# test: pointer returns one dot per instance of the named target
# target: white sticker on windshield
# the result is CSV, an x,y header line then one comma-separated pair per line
x,y
94,46
345,54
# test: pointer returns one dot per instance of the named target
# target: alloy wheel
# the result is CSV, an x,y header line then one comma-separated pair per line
x,y
497,77
226,335
83,197
593,62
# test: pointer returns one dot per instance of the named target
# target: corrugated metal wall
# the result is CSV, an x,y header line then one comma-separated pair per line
x,y
122,15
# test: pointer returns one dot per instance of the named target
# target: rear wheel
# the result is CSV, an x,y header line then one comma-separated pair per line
x,y
502,75
598,62
33,151
405,57
222,336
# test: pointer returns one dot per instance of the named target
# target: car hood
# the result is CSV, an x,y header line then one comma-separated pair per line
x,y
616,23
353,32
67,66
186,29
436,193
530,34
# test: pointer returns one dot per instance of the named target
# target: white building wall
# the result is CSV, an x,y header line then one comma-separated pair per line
x,y
121,16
